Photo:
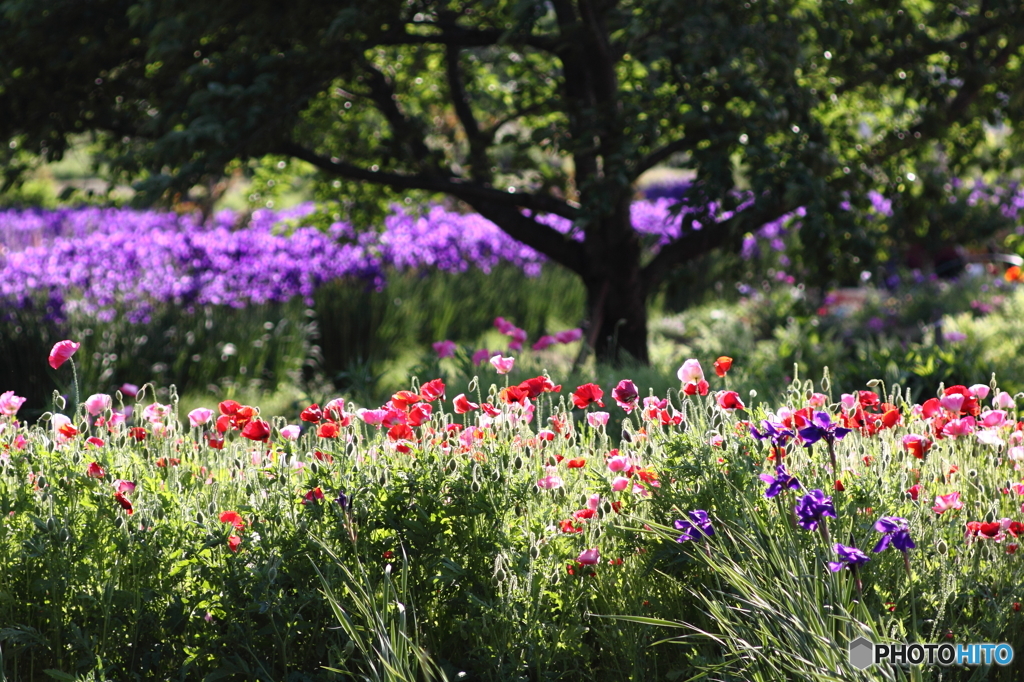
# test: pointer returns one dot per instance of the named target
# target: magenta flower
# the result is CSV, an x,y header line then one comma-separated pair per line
x,y
626,395
122,486
551,480
445,349
589,557
62,352
543,342
944,503
481,356
569,335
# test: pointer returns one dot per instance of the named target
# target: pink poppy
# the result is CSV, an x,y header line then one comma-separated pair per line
x,y
551,480
944,503
123,486
569,335
10,403
372,417
503,365
199,416
291,432
596,419
481,356
993,419
1003,401
620,483
97,403
543,342
589,557
62,352
234,542
691,372
626,395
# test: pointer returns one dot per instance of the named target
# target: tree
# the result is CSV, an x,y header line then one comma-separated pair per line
x,y
520,108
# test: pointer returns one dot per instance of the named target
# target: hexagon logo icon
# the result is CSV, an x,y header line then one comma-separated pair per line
x,y
862,653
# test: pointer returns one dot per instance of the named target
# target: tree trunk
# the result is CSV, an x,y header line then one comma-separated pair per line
x,y
616,291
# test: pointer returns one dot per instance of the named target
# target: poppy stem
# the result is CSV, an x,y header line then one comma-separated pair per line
x,y
74,375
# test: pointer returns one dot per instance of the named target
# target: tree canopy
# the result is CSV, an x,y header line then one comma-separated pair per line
x,y
520,108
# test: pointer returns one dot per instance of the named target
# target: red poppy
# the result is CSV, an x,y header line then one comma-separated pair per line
x,y
577,463
312,414
916,445
233,542
388,554
314,495
990,529
400,432
234,518
93,440
1016,528
224,423
587,394
323,456
723,365
67,430
419,414
838,485
138,433
125,504
162,462
215,443
257,430
327,430
567,526
432,390
95,471
730,400
617,506
491,410
228,407
915,491
403,399
514,394
587,513
539,385
691,388
462,404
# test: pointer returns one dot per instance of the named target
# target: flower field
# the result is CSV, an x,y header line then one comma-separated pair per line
x,y
510,528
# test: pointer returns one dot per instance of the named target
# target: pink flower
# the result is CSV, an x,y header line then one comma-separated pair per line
x,y
979,391
691,372
818,401
619,463
117,419
1003,401
199,416
848,401
596,419
372,417
589,557
129,390
122,486
503,325
503,365
481,356
10,403
952,402
594,501
62,352
156,413
959,427
291,432
552,480
944,503
993,419
620,483
445,349
97,403
569,335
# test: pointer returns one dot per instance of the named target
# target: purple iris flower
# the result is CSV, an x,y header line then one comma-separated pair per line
x,y
344,501
849,557
896,531
779,482
813,508
774,431
822,427
699,526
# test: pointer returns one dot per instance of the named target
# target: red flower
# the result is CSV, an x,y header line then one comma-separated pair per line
x,y
730,400
228,408
587,394
257,430
138,433
617,506
838,485
400,432
432,390
462,404
93,440
403,399
567,526
917,445
1016,528
723,365
692,388
587,513
323,456
67,430
539,385
419,415
234,518
915,491
215,443
314,495
388,554
162,462
577,463
312,414
326,430
95,471
233,542
514,394
125,504
1012,548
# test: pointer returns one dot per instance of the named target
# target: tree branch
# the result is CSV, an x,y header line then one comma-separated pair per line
x,y
462,189
477,141
458,36
696,243
560,248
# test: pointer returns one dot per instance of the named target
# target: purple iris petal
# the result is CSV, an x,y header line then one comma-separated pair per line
x,y
849,557
812,509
